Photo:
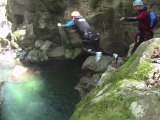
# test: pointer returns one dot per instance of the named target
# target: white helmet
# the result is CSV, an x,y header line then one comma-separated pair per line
x,y
138,2
75,14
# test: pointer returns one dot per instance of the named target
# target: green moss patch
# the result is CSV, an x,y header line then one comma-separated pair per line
x,y
123,71
115,107
142,71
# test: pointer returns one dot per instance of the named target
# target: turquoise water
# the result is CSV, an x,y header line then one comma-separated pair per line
x,y
48,95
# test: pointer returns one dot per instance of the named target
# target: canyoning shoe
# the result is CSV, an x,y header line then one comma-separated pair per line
x,y
98,56
115,56
89,50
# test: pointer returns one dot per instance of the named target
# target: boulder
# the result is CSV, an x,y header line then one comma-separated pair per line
x,y
96,67
36,56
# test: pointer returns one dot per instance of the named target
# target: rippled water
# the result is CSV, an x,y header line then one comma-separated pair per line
x,y
47,95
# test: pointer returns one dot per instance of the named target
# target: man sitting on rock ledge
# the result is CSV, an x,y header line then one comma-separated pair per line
x,y
89,36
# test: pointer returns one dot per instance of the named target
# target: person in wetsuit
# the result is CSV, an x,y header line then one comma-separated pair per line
x,y
145,31
89,37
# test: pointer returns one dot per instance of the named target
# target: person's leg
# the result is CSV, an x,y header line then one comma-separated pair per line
x,y
140,37
148,35
107,52
96,45
104,52
135,47
138,40
100,51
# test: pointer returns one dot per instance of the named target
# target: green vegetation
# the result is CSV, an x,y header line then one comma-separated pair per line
x,y
123,71
114,106
18,37
142,71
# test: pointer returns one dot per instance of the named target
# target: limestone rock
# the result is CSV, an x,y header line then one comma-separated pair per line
x,y
36,56
125,94
56,52
47,44
92,65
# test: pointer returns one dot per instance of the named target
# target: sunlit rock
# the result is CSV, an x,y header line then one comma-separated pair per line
x,y
5,25
18,37
18,71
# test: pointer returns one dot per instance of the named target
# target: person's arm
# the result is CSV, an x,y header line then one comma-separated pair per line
x,y
139,17
69,24
129,18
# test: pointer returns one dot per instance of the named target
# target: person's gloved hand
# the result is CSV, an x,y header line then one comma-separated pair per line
x,y
122,18
59,24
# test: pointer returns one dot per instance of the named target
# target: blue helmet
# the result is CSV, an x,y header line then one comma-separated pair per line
x,y
138,2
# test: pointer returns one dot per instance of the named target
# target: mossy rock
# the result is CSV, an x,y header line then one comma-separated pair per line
x,y
57,52
36,56
115,98
72,53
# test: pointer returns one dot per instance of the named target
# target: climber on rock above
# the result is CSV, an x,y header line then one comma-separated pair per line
x,y
145,31
89,37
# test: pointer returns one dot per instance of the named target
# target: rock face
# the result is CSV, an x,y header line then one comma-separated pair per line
x,y
40,17
39,21
126,93
91,73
